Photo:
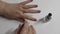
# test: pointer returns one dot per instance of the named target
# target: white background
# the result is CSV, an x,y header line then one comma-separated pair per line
x,y
46,6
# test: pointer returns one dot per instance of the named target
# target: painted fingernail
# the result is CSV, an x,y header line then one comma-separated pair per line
x,y
19,26
39,11
34,20
30,0
36,5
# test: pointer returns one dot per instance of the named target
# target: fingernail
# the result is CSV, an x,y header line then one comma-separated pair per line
x,y
19,26
31,0
34,20
36,5
30,25
39,11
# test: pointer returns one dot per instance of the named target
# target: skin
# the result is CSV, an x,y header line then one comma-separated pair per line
x,y
17,10
25,29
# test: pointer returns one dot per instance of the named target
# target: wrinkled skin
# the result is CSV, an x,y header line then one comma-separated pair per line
x,y
17,11
25,29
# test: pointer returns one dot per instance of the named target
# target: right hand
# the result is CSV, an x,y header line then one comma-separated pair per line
x,y
25,29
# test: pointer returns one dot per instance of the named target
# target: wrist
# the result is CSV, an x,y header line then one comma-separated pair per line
x,y
2,5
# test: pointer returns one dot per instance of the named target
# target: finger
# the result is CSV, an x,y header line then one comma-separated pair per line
x,y
20,19
29,17
31,11
19,29
26,16
30,6
19,16
24,29
29,30
25,2
33,30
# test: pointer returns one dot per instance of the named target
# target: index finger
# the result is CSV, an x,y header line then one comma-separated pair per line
x,y
24,29
25,2
31,30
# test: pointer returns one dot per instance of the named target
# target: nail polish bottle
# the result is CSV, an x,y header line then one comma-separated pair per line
x,y
46,18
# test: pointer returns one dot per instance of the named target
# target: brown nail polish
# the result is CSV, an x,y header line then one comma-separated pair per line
x,y
35,20
39,11
36,5
30,0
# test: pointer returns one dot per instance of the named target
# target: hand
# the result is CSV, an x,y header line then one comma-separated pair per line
x,y
25,29
17,11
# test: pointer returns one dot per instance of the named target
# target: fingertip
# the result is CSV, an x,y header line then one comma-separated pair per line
x,y
39,11
30,0
36,5
33,19
19,25
31,26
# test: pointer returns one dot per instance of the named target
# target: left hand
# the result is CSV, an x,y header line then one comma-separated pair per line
x,y
16,11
